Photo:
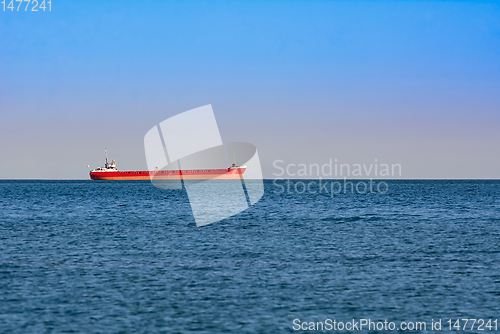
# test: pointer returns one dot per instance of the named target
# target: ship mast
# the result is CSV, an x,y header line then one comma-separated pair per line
x,y
106,155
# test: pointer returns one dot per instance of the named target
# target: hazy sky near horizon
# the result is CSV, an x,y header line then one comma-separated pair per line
x,y
415,83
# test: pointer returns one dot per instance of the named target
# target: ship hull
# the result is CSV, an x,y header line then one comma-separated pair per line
x,y
193,174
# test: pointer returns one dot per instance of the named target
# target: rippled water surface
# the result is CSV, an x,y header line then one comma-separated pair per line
x,y
109,257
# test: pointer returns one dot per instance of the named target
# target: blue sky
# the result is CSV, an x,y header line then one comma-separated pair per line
x,y
408,82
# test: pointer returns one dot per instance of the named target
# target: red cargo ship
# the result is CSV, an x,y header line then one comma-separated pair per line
x,y
110,172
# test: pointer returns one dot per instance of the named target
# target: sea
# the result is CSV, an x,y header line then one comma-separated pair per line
x,y
126,257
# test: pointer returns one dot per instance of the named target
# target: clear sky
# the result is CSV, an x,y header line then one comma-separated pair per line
x,y
407,82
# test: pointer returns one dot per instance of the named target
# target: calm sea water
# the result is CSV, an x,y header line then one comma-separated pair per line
x,y
109,257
